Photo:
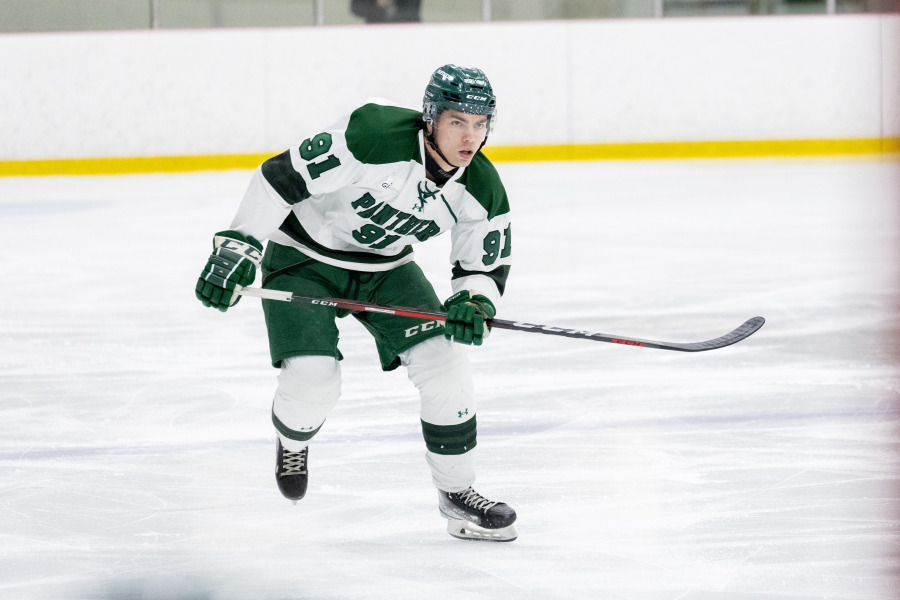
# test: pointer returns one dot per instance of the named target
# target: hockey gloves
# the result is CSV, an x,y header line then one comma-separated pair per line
x,y
466,316
231,266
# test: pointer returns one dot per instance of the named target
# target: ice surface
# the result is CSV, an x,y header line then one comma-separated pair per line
x,y
137,454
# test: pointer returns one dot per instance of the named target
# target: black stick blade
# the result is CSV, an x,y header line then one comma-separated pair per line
x,y
748,328
733,337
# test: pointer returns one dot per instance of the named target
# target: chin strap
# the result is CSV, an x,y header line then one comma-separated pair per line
x,y
438,175
429,139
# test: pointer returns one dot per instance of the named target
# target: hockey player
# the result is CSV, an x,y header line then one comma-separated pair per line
x,y
340,211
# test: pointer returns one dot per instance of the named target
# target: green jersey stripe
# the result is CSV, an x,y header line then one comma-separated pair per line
x,y
280,174
499,275
292,228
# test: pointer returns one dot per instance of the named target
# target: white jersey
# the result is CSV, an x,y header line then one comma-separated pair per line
x,y
356,196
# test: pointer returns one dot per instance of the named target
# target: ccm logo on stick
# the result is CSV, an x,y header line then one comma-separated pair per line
x,y
324,302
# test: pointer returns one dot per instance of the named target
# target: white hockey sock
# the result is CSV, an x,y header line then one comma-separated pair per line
x,y
308,388
440,370
452,472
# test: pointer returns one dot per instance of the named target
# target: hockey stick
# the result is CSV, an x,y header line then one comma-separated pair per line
x,y
733,337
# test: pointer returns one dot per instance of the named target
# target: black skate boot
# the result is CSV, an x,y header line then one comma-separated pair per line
x,y
470,516
291,473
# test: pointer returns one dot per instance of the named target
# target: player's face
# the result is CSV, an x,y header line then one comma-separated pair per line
x,y
459,136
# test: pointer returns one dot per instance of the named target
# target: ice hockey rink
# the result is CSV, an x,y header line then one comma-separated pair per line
x,y
137,452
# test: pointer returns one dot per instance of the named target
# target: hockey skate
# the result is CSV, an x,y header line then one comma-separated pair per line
x,y
470,516
291,472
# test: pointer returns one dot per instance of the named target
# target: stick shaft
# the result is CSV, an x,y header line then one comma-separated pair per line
x,y
741,332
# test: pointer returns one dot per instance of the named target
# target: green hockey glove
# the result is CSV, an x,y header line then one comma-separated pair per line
x,y
465,317
231,266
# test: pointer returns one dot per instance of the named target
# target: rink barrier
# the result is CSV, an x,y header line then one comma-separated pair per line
x,y
694,150
562,152
130,165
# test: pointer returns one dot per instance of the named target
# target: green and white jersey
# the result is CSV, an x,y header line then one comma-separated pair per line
x,y
356,196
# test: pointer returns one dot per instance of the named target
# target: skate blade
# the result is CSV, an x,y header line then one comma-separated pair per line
x,y
465,530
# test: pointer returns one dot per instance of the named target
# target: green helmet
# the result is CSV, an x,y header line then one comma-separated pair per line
x,y
458,88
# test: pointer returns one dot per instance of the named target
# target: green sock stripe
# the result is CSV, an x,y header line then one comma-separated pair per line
x,y
450,439
292,434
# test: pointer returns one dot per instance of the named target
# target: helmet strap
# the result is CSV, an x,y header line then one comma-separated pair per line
x,y
435,172
429,139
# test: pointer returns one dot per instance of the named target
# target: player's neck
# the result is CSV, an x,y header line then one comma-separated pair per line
x,y
437,169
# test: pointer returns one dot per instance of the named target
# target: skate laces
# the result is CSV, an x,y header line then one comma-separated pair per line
x,y
293,463
475,500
